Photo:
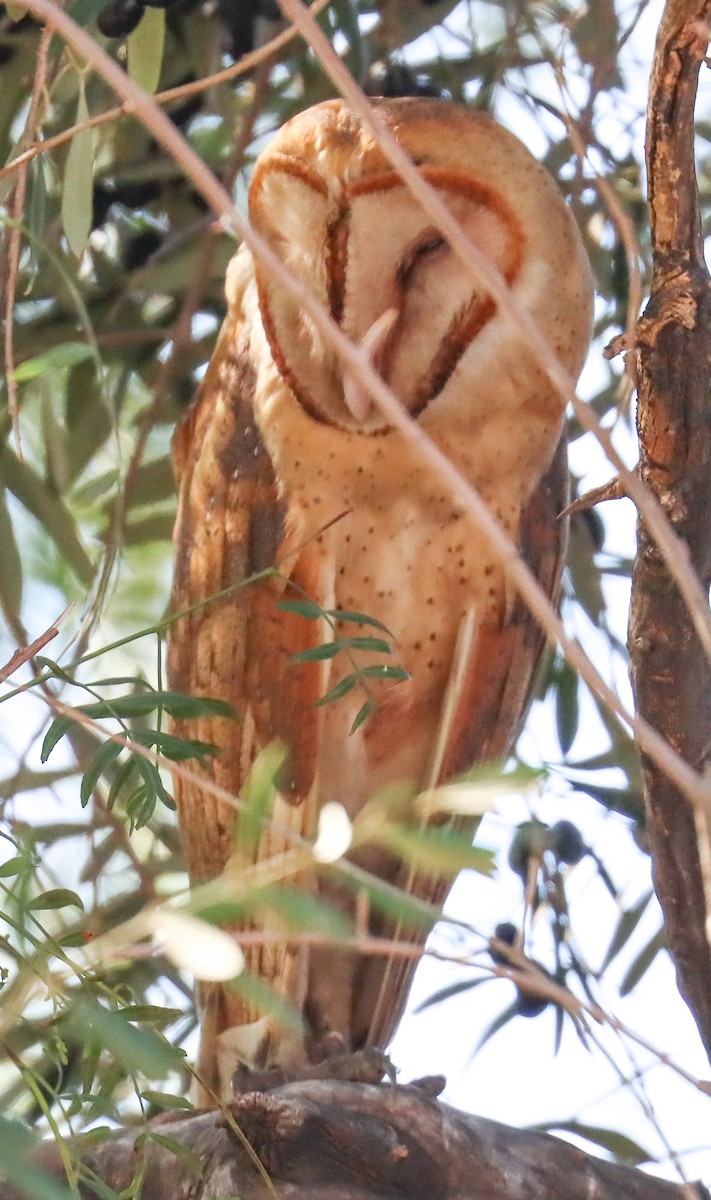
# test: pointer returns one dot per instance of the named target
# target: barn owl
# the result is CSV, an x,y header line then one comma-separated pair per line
x,y
284,460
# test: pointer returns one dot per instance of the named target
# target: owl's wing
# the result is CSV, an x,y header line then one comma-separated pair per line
x,y
231,526
492,680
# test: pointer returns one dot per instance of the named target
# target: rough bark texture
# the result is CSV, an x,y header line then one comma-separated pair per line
x,y
670,674
340,1141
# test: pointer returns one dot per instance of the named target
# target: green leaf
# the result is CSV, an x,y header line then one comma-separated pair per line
x,y
71,941
11,573
175,748
52,514
384,672
258,797
623,1148
141,703
137,1050
362,715
643,962
68,354
150,1014
344,614
165,1100
55,898
436,850
263,998
77,189
342,688
378,645
628,922
452,989
17,1145
317,653
104,758
300,911
14,866
391,901
145,50
189,1161
567,709
302,608
54,734
120,781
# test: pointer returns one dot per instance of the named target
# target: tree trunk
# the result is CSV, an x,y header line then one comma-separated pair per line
x,y
671,675
326,1140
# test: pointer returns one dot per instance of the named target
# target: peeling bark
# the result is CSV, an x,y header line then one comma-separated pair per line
x,y
341,1141
670,675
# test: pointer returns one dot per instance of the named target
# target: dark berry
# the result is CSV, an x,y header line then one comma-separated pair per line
x,y
119,18
528,1004
139,249
102,200
393,80
239,16
531,840
567,842
506,932
136,194
182,113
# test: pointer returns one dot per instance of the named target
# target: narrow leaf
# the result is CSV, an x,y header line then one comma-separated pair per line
x,y
142,703
77,189
53,515
628,922
166,1100
385,672
145,50
316,653
139,1050
344,614
258,797
175,748
377,645
642,962
362,715
68,354
54,734
302,608
16,1147
11,573
342,688
439,851
105,756
623,1148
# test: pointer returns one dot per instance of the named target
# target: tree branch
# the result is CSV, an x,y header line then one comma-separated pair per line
x,y
345,1141
670,675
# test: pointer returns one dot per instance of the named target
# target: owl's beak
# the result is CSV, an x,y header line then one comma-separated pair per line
x,y
358,400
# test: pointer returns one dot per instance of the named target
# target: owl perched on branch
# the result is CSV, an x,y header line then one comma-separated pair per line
x,y
285,461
